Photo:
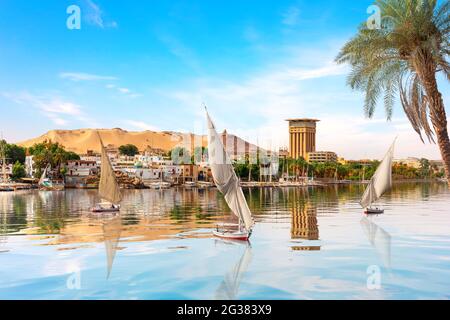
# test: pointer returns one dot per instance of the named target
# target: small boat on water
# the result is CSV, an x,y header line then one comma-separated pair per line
x,y
108,188
228,184
190,184
205,184
46,184
379,184
160,185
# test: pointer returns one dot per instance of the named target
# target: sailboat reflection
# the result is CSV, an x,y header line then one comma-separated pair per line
x,y
229,288
112,229
379,239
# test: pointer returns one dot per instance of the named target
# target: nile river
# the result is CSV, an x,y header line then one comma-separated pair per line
x,y
307,244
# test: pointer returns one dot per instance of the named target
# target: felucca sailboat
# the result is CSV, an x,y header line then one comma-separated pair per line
x,y
108,188
379,184
228,184
46,184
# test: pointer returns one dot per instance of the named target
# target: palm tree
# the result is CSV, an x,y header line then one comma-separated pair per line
x,y
403,57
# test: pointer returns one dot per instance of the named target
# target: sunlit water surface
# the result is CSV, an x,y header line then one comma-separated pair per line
x,y
306,244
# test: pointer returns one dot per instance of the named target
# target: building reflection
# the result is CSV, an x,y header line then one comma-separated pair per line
x,y
304,224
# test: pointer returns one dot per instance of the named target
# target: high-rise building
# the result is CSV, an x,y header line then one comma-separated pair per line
x,y
302,137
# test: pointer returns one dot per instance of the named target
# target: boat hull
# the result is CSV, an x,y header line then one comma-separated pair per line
x,y
373,211
239,236
100,209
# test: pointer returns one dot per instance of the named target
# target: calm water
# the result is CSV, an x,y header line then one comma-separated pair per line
x,y
307,244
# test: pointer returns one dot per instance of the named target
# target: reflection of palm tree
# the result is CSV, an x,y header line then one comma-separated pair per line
x,y
379,239
111,233
229,288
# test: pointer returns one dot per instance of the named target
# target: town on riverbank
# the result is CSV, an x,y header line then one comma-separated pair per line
x,y
186,164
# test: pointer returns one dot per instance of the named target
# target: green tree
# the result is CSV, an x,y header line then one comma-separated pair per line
x,y
129,150
403,57
49,153
18,171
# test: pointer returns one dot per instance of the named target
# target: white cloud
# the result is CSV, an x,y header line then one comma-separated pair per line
x,y
53,107
255,108
95,16
141,125
124,90
291,16
81,76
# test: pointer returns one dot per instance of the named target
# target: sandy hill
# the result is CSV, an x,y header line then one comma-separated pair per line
x,y
81,140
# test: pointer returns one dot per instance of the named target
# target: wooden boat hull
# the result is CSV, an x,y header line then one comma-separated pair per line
x,y
373,211
238,236
100,209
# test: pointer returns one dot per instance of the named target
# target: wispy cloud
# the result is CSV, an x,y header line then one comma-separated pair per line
x,y
291,16
125,91
180,50
141,125
95,16
81,76
57,109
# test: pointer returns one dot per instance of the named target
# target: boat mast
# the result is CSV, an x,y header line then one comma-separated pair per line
x,y
3,154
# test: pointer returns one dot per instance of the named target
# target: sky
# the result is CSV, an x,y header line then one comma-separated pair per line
x,y
150,65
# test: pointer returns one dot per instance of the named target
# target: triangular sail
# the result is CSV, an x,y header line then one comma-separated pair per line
x,y
108,188
381,180
43,176
225,178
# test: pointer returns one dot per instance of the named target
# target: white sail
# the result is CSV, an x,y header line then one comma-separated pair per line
x,y
108,188
379,239
43,176
225,178
381,180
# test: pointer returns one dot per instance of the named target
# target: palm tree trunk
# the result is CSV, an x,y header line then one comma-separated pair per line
x,y
427,75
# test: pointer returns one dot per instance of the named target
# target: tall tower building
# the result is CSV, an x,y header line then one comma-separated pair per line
x,y
302,137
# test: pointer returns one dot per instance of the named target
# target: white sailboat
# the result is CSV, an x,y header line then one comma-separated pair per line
x,y
46,184
108,188
228,184
379,184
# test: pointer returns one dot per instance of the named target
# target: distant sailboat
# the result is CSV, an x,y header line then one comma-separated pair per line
x,y
228,184
108,189
379,184
45,184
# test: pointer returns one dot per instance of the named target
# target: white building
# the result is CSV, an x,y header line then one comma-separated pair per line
x,y
29,166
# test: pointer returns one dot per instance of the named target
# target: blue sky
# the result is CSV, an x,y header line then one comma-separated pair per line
x,y
143,65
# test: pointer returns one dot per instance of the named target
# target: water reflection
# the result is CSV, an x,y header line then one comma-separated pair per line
x,y
160,246
379,239
112,229
229,287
